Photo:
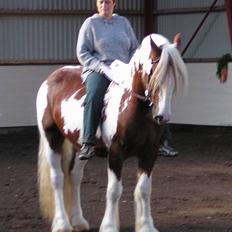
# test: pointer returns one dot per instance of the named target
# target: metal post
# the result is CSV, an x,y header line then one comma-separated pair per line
x,y
228,6
148,17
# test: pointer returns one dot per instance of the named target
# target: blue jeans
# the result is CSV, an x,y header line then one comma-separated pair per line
x,y
166,136
96,85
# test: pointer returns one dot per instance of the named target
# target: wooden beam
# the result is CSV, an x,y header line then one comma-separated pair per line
x,y
148,17
228,6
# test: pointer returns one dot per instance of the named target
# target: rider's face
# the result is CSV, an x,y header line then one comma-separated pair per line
x,y
105,8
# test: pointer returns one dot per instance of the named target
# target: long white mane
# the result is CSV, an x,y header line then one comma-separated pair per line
x,y
170,58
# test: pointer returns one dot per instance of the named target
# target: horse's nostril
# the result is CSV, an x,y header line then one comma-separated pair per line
x,y
158,119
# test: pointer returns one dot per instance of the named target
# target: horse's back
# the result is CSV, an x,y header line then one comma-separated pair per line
x,y
66,79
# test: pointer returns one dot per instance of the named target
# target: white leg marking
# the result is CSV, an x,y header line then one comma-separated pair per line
x,y
110,222
142,193
60,221
79,223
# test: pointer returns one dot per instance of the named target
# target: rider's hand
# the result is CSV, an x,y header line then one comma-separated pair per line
x,y
103,68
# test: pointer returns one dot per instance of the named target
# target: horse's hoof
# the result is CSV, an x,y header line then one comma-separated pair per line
x,y
82,227
108,229
64,229
147,229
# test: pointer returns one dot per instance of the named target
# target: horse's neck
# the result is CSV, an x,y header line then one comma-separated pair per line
x,y
128,96
122,108
138,83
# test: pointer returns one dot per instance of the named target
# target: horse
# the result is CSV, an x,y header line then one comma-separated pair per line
x,y
135,110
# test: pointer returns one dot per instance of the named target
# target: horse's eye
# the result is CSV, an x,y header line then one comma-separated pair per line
x,y
155,61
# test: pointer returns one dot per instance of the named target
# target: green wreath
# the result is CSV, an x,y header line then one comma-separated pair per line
x,y
223,63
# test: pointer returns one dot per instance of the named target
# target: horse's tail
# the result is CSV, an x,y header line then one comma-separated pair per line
x,y
46,194
46,198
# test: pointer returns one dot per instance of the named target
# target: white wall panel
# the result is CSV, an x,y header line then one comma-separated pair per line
x,y
18,89
207,101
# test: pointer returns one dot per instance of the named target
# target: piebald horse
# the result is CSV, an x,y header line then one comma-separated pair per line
x,y
135,109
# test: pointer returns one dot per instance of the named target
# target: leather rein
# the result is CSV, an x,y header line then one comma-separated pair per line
x,y
147,93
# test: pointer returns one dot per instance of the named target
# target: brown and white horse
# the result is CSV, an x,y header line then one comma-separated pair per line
x,y
131,124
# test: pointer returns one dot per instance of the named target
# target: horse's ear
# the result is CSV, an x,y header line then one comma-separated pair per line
x,y
177,40
156,51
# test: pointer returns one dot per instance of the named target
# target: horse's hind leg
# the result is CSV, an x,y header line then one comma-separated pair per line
x,y
60,220
78,221
51,182
142,194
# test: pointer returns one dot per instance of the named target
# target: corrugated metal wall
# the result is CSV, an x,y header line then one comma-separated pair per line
x,y
66,4
173,4
36,31
39,37
213,38
48,5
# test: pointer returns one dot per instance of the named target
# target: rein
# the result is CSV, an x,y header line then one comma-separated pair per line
x,y
146,98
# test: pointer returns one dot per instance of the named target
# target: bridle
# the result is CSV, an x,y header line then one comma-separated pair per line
x,y
147,93
146,97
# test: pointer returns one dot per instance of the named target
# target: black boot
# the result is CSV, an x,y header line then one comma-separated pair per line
x,y
86,152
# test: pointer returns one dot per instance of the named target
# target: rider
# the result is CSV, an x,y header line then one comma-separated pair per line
x,y
103,38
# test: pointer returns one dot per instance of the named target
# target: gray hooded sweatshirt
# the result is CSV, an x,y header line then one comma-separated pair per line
x,y
101,41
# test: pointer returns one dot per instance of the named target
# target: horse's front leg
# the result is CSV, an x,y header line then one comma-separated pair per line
x,y
79,223
142,195
110,222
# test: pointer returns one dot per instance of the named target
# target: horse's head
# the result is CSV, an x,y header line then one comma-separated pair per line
x,y
162,70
